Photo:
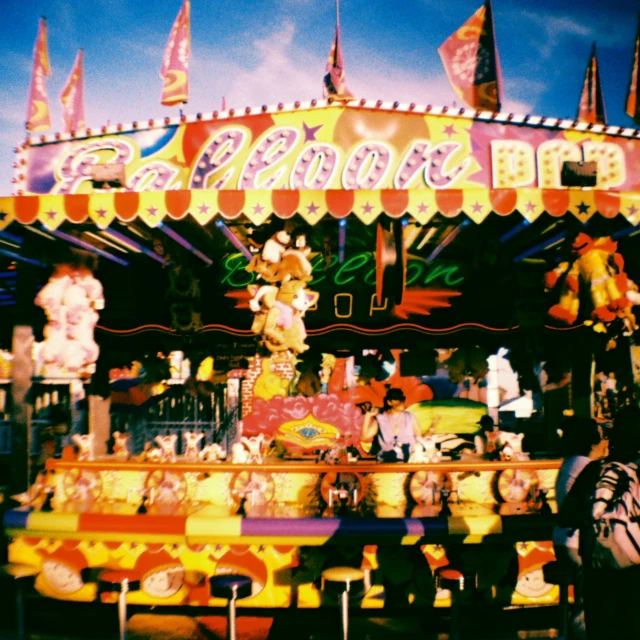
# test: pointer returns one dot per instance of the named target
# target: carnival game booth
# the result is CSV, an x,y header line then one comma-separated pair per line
x,y
364,235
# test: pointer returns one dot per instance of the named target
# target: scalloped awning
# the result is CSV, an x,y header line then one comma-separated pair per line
x,y
257,206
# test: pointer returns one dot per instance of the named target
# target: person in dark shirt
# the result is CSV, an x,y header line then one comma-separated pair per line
x,y
610,595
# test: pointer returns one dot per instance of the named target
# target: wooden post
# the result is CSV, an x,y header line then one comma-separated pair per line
x,y
22,372
100,423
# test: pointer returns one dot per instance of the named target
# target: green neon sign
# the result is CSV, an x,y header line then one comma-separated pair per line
x,y
360,267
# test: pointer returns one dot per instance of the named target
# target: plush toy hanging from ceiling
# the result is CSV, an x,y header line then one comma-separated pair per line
x,y
71,299
280,306
283,257
598,270
278,315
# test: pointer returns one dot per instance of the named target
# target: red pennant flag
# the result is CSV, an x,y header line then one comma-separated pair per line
x,y
38,117
470,58
334,80
72,98
175,65
633,99
591,107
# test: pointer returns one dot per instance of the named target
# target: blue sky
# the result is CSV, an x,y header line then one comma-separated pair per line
x,y
258,52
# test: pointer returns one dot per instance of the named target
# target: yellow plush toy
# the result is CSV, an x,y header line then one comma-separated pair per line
x,y
598,267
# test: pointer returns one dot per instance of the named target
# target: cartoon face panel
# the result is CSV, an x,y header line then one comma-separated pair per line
x,y
164,582
532,584
62,577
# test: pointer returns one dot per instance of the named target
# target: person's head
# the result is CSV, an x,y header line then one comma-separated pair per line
x,y
394,399
582,437
625,435
486,423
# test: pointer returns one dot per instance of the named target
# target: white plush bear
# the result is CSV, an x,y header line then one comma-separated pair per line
x,y
275,246
121,445
153,454
239,454
52,350
50,296
431,452
212,453
85,446
75,302
512,445
254,446
192,440
93,289
417,453
167,445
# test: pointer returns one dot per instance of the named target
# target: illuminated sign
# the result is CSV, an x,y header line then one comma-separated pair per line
x,y
334,148
360,268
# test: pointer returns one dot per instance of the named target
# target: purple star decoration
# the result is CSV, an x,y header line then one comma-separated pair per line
x,y
310,132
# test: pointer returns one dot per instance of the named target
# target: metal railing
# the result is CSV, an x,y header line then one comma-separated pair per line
x,y
177,411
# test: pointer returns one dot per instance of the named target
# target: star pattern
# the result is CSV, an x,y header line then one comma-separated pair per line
x,y
102,213
367,208
204,208
583,207
152,211
312,208
310,132
477,207
529,206
52,214
422,207
633,210
449,131
258,208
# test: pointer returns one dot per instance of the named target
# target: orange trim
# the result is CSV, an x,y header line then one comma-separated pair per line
x,y
338,326
132,524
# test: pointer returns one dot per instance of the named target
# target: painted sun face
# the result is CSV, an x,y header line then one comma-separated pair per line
x,y
164,583
62,577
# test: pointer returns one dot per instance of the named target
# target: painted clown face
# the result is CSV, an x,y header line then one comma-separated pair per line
x,y
532,584
163,583
62,577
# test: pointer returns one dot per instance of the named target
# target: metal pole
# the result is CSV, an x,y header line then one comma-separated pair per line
x,y
122,609
344,605
231,635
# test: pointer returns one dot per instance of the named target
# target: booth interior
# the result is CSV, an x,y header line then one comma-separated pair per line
x,y
464,293
248,450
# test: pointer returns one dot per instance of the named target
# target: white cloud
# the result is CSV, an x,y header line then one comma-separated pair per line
x,y
280,74
282,71
516,106
555,28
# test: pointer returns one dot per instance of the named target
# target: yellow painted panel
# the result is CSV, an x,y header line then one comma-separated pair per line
x,y
475,525
54,521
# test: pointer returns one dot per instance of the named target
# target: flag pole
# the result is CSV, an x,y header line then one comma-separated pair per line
x,y
495,56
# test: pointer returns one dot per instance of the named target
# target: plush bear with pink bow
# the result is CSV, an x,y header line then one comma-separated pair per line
x,y
279,313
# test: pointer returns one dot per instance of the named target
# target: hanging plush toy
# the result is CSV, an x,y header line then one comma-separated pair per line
x,y
265,265
70,299
279,313
598,268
